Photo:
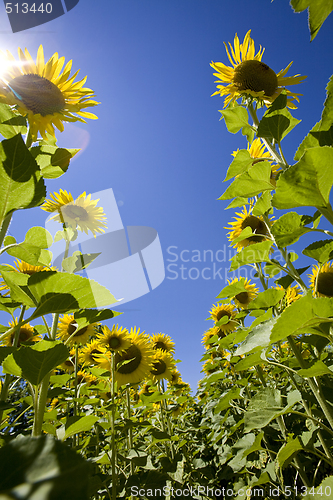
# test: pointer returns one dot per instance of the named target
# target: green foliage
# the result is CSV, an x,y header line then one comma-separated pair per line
x,y
236,119
277,122
318,10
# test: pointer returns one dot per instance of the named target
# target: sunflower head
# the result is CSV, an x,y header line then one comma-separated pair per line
x,y
117,339
162,365
208,334
27,334
228,313
321,280
23,267
163,342
243,299
249,77
68,329
89,351
247,219
45,93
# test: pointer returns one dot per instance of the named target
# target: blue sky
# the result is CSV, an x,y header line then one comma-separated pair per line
x,y
158,142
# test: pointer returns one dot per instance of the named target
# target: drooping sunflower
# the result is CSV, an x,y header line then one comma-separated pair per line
x,y
67,326
138,359
44,93
23,267
321,280
218,311
89,351
27,334
80,214
243,299
247,219
249,77
117,339
163,341
162,365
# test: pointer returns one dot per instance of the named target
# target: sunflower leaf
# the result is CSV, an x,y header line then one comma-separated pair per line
x,y
288,229
86,317
277,122
53,161
254,181
11,123
21,182
308,182
257,252
322,251
31,254
78,261
17,283
80,425
239,164
233,289
318,11
236,119
257,338
266,299
263,205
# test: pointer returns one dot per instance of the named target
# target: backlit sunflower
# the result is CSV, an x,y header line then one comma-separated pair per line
x,y
162,365
80,214
67,326
117,339
139,356
89,351
321,280
27,334
243,299
293,293
246,219
221,310
23,267
249,77
45,93
163,341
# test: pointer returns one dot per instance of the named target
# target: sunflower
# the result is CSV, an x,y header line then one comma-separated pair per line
x,y
218,312
321,280
208,334
163,341
84,377
67,328
69,364
210,367
44,93
27,334
243,299
117,339
258,153
292,294
80,214
138,359
246,219
23,267
163,364
249,77
89,351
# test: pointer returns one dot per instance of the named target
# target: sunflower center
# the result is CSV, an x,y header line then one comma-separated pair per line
x,y
257,76
257,226
75,212
159,367
114,342
242,297
160,345
133,356
325,284
220,315
38,94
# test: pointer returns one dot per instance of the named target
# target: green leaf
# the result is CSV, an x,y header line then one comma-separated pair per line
x,y
44,466
236,119
63,293
322,251
11,123
263,407
288,229
5,351
257,339
32,250
308,182
266,299
301,316
224,402
34,362
86,317
251,360
53,161
288,452
17,283
316,370
323,490
78,261
233,289
287,280
81,425
250,183
240,164
239,201
21,183
8,305
318,11
277,122
263,204
258,252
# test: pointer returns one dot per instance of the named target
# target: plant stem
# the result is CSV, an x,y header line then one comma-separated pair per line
x,y
113,441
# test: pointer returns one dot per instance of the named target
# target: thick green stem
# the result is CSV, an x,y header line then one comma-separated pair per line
x,y
327,213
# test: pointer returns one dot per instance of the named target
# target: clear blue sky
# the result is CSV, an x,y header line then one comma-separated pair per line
x,y
158,142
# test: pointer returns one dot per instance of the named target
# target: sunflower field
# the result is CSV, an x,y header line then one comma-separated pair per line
x,y
89,411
